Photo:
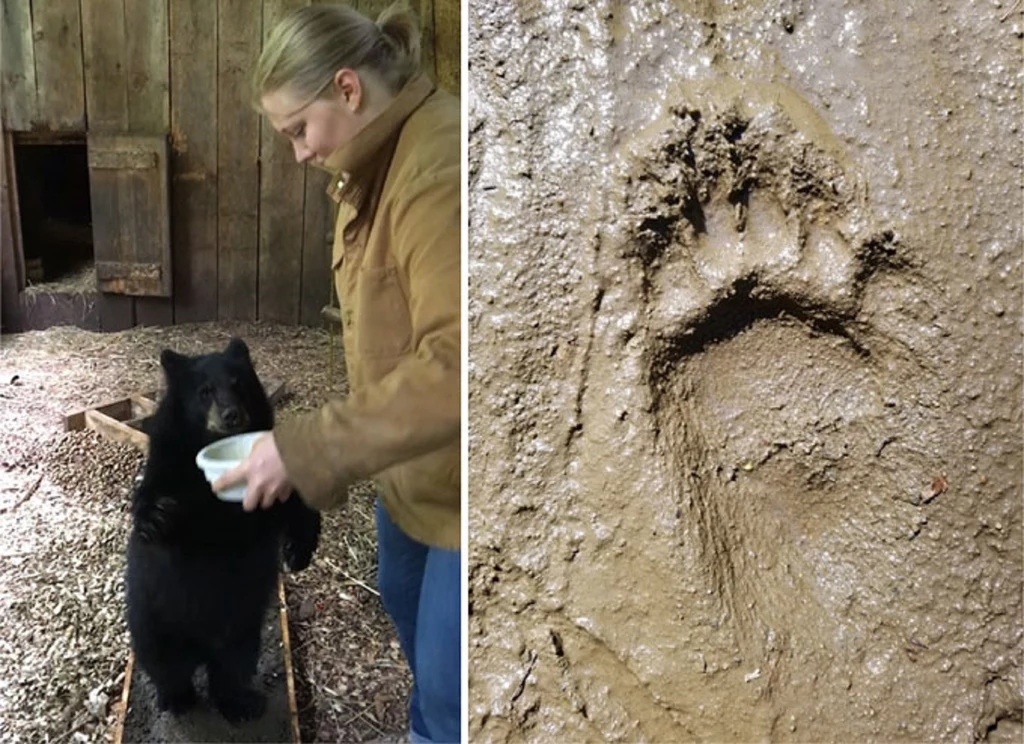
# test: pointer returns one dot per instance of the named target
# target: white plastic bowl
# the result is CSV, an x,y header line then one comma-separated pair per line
x,y
221,456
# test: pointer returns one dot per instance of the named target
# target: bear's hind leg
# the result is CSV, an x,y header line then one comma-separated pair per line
x,y
231,669
171,673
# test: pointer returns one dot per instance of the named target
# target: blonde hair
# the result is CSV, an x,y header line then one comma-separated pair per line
x,y
310,44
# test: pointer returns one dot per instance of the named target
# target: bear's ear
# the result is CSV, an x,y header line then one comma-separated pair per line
x,y
237,349
173,363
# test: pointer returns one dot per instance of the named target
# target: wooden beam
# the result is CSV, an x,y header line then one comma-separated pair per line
x,y
289,672
60,83
193,53
121,706
10,303
143,405
428,57
120,408
275,391
448,44
138,406
316,247
115,430
124,277
105,51
147,70
317,233
238,150
149,114
104,48
17,66
282,201
49,138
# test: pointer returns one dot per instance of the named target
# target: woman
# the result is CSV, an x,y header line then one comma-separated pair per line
x,y
350,96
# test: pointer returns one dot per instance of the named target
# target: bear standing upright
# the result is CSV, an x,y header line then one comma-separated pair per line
x,y
200,571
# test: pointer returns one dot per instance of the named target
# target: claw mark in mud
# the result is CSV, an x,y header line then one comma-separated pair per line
x,y
526,675
587,663
576,429
556,641
569,686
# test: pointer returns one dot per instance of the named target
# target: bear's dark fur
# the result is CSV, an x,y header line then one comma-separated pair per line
x,y
200,571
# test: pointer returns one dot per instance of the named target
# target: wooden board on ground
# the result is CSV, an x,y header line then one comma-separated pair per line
x,y
137,719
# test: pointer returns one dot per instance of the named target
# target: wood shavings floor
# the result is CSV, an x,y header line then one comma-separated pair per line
x,y
64,522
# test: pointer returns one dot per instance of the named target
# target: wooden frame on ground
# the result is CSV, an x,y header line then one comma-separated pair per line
x,y
121,420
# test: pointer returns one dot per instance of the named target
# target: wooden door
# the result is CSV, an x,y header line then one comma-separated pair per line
x,y
130,194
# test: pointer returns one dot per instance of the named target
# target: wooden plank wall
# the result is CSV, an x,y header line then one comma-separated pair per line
x,y
148,87
194,144
9,304
239,29
282,203
57,48
105,51
250,229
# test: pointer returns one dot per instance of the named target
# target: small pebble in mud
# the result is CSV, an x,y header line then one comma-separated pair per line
x,y
550,603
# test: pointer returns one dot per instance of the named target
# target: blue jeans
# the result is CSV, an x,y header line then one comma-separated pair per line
x,y
420,589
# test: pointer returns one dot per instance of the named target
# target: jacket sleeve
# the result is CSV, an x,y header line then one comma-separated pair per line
x,y
416,408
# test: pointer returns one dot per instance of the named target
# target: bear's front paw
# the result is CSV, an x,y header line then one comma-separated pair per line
x,y
297,555
155,523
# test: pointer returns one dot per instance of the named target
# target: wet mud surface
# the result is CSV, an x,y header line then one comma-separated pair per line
x,y
745,323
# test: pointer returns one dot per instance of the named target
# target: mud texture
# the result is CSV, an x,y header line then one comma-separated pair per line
x,y
145,723
745,403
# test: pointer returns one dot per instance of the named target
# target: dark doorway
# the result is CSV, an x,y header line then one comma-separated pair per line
x,y
56,214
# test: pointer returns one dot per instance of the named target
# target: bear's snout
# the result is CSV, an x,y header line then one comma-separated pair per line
x,y
232,417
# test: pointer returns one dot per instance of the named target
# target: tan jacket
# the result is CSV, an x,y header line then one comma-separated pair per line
x,y
397,268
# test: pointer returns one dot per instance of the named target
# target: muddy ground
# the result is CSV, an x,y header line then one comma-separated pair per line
x,y
745,316
144,723
64,520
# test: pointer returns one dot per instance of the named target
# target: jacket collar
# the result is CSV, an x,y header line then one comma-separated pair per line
x,y
351,163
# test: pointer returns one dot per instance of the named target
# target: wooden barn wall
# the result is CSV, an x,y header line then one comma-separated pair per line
x,y
249,228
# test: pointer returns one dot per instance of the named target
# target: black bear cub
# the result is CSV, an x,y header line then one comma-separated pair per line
x,y
200,571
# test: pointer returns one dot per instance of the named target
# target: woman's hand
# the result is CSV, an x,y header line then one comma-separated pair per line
x,y
264,474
